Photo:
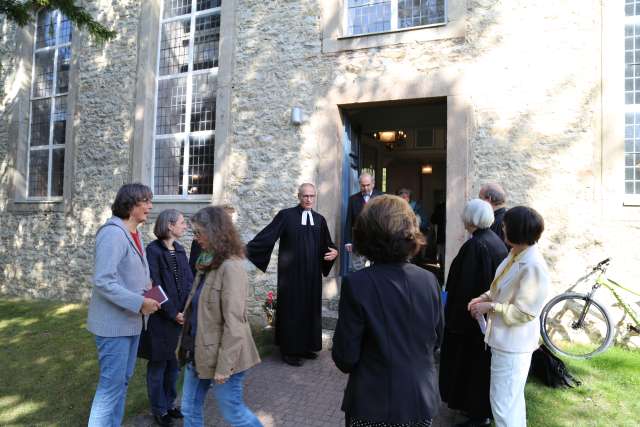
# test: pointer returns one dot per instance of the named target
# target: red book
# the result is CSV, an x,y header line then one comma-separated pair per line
x,y
157,293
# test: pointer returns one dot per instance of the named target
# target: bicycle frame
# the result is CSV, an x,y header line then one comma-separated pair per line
x,y
601,280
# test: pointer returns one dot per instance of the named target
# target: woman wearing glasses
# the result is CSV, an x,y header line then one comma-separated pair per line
x,y
216,342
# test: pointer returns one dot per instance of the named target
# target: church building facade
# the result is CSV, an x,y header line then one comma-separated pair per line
x,y
240,101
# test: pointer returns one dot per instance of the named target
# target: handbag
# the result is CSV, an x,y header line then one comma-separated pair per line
x,y
550,370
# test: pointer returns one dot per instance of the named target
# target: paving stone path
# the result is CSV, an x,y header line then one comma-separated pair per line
x,y
287,396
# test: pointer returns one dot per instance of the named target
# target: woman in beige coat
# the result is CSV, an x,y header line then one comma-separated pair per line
x,y
216,343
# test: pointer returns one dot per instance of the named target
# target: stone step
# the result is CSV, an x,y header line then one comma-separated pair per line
x,y
327,339
329,318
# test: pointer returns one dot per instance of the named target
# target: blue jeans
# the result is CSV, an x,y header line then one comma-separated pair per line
x,y
228,396
117,358
161,385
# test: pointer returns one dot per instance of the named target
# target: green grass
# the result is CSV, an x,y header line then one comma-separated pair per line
x,y
49,365
609,394
49,373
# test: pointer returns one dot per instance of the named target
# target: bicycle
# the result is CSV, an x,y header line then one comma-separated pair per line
x,y
575,325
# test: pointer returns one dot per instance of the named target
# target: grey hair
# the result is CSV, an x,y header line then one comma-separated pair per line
x,y
494,193
165,219
478,213
305,184
365,174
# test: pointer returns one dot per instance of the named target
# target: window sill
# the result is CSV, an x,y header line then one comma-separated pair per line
x,y
187,206
36,206
398,30
449,30
631,200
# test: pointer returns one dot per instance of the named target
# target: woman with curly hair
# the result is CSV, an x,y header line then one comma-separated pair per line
x,y
389,324
216,343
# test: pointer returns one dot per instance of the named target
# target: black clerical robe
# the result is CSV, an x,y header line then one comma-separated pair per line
x,y
301,266
464,359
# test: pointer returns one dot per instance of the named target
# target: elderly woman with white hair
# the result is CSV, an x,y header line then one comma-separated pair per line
x,y
465,360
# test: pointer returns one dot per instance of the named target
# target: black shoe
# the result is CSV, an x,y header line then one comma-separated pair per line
x,y
163,420
475,422
175,412
291,360
309,355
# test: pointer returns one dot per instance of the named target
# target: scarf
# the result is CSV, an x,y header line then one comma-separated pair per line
x,y
204,261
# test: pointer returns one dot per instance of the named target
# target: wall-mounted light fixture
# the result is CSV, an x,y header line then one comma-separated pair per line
x,y
391,138
427,169
296,116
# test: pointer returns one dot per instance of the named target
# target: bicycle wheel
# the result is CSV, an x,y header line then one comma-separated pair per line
x,y
573,325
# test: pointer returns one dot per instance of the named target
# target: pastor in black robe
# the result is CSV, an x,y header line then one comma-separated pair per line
x,y
301,266
464,359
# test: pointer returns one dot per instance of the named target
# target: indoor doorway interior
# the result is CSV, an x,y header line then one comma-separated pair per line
x,y
403,145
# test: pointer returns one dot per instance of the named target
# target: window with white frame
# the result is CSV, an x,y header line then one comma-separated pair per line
x,y
184,135
48,118
632,97
375,16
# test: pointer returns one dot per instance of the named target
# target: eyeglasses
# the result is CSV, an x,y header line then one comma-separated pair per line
x,y
308,196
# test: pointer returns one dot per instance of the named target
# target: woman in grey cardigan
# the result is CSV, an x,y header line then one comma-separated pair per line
x,y
117,304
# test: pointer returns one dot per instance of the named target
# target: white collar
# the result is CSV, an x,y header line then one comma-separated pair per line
x,y
307,214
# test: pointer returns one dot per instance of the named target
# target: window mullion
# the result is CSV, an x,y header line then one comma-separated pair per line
x,y
185,154
52,110
394,15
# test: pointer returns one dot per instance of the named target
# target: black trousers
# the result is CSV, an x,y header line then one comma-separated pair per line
x,y
162,376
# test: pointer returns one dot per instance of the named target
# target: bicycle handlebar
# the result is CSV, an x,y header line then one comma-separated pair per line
x,y
602,264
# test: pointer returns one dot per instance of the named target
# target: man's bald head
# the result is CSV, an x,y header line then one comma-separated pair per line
x,y
307,195
493,193
366,183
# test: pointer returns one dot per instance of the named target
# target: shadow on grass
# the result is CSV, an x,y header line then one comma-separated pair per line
x,y
608,395
49,365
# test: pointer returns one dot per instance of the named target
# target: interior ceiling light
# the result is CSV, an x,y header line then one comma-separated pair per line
x,y
391,138
427,169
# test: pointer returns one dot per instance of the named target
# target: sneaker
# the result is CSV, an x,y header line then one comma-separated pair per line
x,y
175,412
163,420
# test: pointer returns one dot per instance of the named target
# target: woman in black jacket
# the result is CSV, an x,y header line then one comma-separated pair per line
x,y
169,268
465,359
390,323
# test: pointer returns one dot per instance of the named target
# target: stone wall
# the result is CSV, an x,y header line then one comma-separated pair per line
x,y
531,76
48,252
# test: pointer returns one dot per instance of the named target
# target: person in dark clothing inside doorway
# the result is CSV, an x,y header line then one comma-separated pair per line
x,y
495,195
465,360
306,254
356,203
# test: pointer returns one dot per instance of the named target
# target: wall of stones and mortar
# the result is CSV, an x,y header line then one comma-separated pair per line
x,y
50,254
531,72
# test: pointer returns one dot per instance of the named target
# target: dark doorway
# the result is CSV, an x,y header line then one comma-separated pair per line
x,y
403,146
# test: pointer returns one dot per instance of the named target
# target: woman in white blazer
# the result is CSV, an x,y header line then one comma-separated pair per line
x,y
512,305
